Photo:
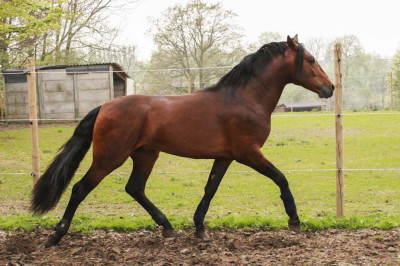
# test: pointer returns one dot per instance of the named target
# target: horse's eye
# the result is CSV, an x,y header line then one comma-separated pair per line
x,y
311,61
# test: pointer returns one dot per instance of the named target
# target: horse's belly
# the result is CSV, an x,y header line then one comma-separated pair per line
x,y
198,154
193,143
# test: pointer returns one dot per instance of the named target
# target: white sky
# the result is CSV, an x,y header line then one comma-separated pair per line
x,y
375,23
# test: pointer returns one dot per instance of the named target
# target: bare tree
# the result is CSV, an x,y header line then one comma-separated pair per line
x,y
316,46
264,38
83,26
191,36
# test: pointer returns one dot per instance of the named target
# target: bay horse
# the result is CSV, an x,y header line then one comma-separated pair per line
x,y
228,121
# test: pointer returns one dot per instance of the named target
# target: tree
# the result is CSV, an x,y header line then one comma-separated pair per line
x,y
195,36
375,71
56,31
264,38
352,51
21,24
316,46
353,66
363,74
121,54
395,68
84,26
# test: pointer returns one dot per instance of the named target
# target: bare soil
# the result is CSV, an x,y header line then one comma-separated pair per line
x,y
221,247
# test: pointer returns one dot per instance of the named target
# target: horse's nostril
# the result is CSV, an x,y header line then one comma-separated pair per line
x,y
333,87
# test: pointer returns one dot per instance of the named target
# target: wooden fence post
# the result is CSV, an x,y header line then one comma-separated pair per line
x,y
31,77
189,85
291,104
339,131
134,88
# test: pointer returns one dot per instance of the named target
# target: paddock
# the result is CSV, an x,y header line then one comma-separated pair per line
x,y
303,145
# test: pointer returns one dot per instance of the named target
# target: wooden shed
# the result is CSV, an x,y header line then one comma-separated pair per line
x,y
299,107
65,91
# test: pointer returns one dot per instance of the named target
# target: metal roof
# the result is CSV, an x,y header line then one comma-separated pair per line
x,y
20,73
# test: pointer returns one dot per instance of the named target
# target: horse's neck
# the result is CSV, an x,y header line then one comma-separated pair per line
x,y
272,98
267,91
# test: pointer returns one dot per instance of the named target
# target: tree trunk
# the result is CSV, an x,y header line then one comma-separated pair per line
x,y
4,56
70,33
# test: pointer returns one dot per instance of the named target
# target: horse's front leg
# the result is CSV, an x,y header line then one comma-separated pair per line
x,y
258,162
217,173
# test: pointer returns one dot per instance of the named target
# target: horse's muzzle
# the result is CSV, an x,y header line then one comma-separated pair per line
x,y
326,91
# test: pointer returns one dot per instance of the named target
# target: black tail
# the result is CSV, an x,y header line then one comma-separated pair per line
x,y
54,181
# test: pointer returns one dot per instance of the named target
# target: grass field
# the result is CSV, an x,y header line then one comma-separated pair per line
x,y
371,141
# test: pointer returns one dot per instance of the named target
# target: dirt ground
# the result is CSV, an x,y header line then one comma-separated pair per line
x,y
221,247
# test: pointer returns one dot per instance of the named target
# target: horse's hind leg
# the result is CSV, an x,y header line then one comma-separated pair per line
x,y
258,162
79,192
217,173
143,162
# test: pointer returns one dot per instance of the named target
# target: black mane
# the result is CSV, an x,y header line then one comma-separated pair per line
x,y
251,64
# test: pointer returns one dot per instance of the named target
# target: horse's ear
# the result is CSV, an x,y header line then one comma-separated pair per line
x,y
292,43
296,38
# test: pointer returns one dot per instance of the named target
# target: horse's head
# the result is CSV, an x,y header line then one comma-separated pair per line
x,y
307,72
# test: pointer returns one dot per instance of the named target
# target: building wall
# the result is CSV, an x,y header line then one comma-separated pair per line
x,y
279,109
93,89
56,94
130,86
62,95
119,87
303,109
16,100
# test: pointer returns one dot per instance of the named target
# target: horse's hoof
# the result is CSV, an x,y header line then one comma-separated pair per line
x,y
169,233
52,241
201,233
294,225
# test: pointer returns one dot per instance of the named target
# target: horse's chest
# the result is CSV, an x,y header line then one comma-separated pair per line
x,y
260,136
250,131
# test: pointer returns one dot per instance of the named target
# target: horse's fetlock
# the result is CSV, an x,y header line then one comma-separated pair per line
x,y
62,227
161,219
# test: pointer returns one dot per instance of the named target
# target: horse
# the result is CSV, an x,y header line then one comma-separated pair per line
x,y
230,120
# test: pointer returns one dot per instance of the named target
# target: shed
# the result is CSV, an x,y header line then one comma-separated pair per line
x,y
65,91
299,107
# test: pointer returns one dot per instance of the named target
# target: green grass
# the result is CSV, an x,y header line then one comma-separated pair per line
x,y
87,224
243,199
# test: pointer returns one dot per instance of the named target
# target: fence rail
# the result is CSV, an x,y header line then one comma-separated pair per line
x,y
235,172
188,68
